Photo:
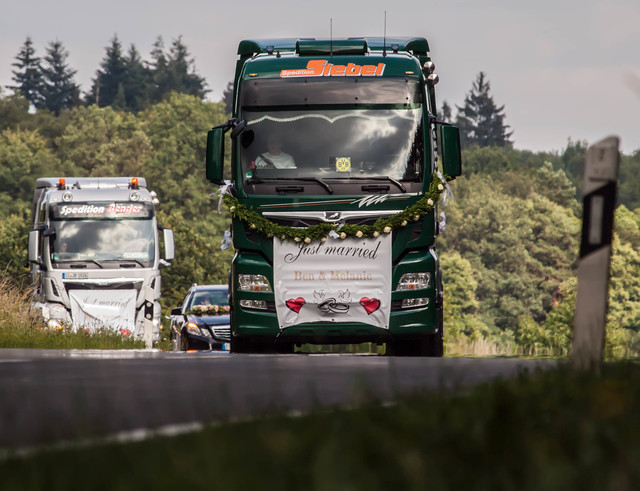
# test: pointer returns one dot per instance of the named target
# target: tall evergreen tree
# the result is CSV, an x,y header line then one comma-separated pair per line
x,y
158,73
59,91
173,72
135,83
183,76
109,77
480,121
28,74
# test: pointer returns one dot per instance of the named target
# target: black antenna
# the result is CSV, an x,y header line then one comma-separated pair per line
x,y
384,39
331,37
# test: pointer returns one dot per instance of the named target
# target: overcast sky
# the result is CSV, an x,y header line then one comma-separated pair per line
x,y
563,68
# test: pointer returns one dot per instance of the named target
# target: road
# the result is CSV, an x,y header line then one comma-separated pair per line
x,y
52,396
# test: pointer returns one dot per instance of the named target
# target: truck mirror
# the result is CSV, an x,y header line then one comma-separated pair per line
x,y
169,251
450,143
34,240
215,155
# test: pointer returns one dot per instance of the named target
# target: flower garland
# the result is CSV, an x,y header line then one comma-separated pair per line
x,y
210,310
320,231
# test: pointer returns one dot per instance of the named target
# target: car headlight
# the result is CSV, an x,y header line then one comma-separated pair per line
x,y
414,281
193,328
253,283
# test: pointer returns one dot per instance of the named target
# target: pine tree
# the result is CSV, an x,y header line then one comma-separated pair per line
x,y
480,121
158,73
59,91
183,76
28,74
135,83
109,77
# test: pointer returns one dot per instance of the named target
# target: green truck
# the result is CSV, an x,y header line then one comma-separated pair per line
x,y
338,166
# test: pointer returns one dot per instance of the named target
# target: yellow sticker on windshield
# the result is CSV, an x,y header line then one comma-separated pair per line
x,y
343,164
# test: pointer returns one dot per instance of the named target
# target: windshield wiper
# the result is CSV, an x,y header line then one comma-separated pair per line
x,y
258,180
77,263
126,265
382,178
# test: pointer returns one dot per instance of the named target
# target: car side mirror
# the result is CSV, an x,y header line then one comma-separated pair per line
x,y
215,155
176,311
34,240
451,157
169,248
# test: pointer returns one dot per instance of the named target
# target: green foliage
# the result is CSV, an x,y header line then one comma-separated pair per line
x,y
28,74
177,129
23,156
59,91
104,142
521,247
481,122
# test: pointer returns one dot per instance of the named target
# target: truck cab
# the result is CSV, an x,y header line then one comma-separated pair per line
x,y
337,164
95,254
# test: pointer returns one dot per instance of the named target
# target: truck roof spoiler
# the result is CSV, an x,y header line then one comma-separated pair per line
x,y
337,46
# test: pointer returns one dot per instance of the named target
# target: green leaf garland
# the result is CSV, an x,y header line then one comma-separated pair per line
x,y
320,231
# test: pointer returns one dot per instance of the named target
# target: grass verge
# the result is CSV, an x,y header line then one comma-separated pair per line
x,y
548,431
20,328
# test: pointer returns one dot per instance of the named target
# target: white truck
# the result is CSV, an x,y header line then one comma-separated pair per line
x,y
95,254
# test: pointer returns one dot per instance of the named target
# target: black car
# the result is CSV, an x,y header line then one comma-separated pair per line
x,y
202,322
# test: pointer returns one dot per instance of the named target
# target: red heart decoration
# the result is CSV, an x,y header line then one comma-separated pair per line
x,y
295,304
370,304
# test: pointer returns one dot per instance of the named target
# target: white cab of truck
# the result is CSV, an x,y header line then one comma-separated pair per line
x,y
95,253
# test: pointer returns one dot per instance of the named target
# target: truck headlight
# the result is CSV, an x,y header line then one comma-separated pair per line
x,y
414,281
413,303
253,304
253,283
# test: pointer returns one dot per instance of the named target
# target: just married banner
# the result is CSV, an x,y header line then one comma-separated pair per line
x,y
340,280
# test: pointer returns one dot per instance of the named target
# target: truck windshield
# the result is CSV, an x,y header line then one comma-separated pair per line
x,y
86,234
369,129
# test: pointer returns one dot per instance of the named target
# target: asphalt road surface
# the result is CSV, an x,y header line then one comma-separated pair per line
x,y
51,396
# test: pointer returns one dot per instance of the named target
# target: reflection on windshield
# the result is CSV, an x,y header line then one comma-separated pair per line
x,y
103,240
335,143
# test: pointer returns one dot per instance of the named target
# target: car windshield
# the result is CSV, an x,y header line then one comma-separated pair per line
x,y
89,235
330,137
208,297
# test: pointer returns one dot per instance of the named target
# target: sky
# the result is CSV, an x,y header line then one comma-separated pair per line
x,y
563,69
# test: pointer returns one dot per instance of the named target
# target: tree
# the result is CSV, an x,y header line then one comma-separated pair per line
x,y
135,84
158,74
183,76
59,91
481,122
28,74
174,72
177,128
104,142
110,77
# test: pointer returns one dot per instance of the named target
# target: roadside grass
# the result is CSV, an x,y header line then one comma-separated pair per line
x,y
21,328
556,429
